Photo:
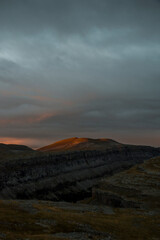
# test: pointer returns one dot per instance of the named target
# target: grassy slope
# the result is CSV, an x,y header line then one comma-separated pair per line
x,y
41,220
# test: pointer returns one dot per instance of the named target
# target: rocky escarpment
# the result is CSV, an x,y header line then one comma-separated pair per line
x,y
68,176
136,187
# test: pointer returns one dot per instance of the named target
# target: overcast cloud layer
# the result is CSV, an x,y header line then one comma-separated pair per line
x,y
85,68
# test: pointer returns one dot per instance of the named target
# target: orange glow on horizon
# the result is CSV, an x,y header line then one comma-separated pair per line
x,y
19,141
30,142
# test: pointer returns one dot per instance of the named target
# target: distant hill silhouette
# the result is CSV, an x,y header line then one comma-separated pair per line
x,y
13,150
13,147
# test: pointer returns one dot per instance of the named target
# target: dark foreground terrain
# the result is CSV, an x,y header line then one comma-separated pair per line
x,y
47,220
82,194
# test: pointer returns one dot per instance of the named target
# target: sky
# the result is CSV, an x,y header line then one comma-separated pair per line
x,y
79,68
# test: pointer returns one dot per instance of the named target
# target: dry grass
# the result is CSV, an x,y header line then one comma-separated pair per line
x,y
18,223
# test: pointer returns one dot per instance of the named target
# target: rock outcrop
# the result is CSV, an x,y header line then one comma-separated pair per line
x,y
137,187
67,176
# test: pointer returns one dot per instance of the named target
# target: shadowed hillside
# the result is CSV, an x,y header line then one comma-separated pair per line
x,y
136,187
12,151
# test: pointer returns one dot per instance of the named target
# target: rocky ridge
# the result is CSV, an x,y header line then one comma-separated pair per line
x,y
67,176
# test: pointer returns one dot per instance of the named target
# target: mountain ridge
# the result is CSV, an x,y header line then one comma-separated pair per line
x,y
75,143
66,176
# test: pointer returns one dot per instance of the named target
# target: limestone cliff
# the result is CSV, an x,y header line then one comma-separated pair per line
x,y
66,176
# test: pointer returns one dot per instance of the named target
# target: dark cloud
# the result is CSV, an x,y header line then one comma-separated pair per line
x,y
74,16
80,68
